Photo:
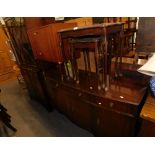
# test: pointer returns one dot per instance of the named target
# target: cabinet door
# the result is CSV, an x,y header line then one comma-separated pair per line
x,y
62,98
3,40
81,111
59,97
5,62
68,101
111,123
41,43
32,80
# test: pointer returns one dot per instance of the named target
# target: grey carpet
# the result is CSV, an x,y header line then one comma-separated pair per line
x,y
31,119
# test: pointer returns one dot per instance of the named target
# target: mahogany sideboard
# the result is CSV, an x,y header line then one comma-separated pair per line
x,y
114,112
104,113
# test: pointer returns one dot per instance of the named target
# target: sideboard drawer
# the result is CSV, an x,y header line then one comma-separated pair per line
x,y
114,105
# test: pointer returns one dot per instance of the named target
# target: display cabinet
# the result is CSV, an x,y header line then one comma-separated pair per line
x,y
45,41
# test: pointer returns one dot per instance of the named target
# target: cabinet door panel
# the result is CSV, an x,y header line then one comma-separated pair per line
x,y
45,41
5,63
33,84
63,103
110,123
81,111
40,41
58,95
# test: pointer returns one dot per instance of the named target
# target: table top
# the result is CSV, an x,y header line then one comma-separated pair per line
x,y
92,26
129,89
148,110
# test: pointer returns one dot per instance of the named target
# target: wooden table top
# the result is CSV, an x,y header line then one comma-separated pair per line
x,y
148,110
91,26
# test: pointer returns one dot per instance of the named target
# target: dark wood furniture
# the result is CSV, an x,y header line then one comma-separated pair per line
x,y
111,113
130,30
34,79
110,36
33,76
114,112
45,41
147,115
35,22
145,36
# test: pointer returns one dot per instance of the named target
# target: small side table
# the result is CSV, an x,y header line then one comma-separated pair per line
x,y
148,118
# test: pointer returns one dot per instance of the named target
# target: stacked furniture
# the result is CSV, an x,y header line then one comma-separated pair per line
x,y
96,110
111,112
83,76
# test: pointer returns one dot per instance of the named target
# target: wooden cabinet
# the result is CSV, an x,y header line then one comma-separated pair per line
x,y
41,44
111,113
6,64
34,81
84,21
70,102
58,95
45,41
80,110
112,123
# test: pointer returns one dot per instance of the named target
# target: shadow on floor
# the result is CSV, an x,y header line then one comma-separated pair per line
x,y
31,119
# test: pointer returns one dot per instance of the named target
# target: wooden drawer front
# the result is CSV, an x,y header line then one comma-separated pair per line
x,y
119,107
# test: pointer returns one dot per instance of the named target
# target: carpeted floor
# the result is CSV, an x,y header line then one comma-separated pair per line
x,y
31,119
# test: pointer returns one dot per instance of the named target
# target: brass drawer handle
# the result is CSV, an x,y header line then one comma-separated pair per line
x,y
99,103
111,104
56,86
35,33
80,94
40,53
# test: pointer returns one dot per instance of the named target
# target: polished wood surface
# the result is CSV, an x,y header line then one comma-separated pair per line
x,y
33,22
114,112
147,128
148,111
104,113
109,43
45,41
6,64
145,36
84,21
